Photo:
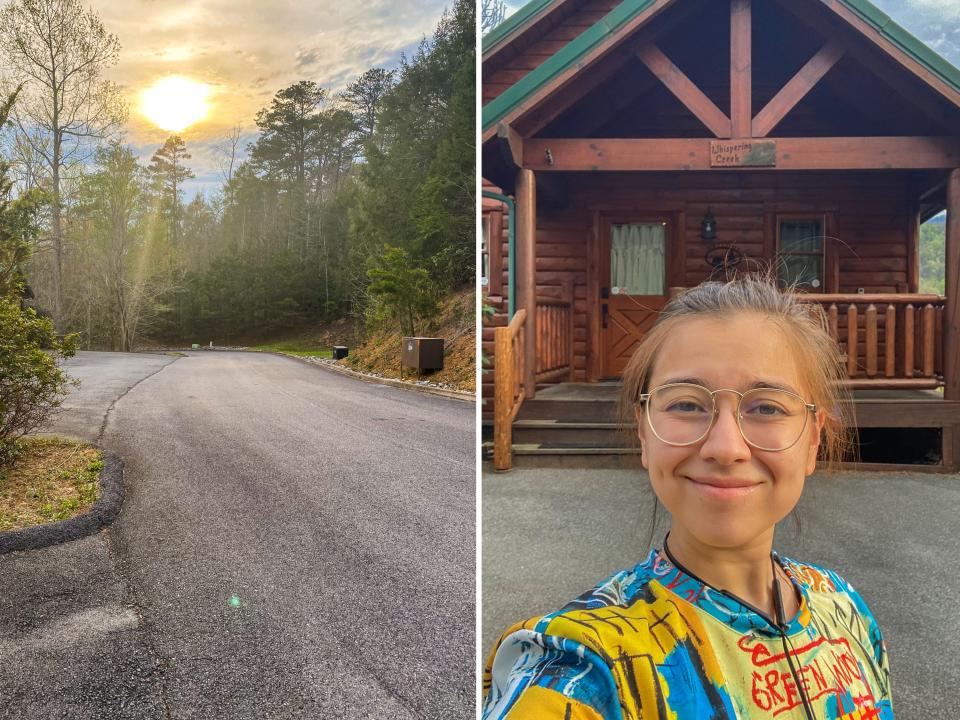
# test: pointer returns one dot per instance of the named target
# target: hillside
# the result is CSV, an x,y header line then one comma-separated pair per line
x,y
455,323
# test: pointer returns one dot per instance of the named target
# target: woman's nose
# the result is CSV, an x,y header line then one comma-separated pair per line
x,y
725,443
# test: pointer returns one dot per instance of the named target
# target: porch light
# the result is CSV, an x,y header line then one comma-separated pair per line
x,y
708,228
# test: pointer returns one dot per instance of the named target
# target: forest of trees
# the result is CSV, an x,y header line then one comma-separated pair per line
x,y
339,201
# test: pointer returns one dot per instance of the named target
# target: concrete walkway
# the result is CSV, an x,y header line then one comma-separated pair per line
x,y
548,535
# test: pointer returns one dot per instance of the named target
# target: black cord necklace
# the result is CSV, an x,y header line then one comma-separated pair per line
x,y
779,622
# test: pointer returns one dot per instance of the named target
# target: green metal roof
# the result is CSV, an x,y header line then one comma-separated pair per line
x,y
572,52
505,29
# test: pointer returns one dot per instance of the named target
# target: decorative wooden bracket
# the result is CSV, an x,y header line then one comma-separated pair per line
x,y
511,145
797,88
685,90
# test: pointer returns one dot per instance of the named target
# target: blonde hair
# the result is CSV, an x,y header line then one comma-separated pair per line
x,y
804,325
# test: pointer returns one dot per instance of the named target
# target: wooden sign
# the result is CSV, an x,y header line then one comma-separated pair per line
x,y
743,153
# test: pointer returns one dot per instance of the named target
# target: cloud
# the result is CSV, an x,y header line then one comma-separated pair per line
x,y
248,50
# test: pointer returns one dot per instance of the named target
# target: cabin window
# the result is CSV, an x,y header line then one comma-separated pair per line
x,y
800,253
637,259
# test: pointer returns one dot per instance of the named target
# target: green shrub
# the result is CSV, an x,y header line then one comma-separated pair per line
x,y
32,385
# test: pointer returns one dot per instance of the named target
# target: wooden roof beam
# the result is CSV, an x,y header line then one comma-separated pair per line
x,y
511,145
685,90
741,68
797,88
835,153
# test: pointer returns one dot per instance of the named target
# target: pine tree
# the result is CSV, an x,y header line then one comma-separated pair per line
x,y
169,173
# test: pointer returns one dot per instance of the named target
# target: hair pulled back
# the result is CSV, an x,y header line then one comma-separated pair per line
x,y
805,327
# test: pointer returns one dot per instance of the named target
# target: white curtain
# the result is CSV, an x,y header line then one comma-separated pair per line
x,y
636,259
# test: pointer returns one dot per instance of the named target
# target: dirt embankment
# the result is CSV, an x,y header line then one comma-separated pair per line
x,y
455,323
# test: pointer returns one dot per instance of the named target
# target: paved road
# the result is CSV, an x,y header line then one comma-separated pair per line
x,y
293,544
549,535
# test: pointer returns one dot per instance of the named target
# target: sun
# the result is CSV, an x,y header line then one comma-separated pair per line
x,y
175,102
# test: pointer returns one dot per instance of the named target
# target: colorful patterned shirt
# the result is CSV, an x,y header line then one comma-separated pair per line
x,y
653,643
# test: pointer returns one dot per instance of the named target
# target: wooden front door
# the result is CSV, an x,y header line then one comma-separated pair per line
x,y
633,286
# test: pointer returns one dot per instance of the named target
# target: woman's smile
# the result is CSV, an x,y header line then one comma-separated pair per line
x,y
722,488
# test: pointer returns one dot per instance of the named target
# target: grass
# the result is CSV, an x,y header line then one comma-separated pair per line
x,y
293,348
50,480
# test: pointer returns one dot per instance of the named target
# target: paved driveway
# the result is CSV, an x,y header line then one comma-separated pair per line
x,y
293,544
548,535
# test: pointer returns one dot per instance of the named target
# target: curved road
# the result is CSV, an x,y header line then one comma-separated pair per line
x,y
293,544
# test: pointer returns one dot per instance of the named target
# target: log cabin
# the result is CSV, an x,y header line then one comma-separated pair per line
x,y
631,148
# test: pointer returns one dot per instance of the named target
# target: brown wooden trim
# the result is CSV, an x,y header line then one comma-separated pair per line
x,y
567,96
511,144
518,33
860,298
685,90
679,154
741,70
913,247
677,258
905,413
951,313
832,271
624,33
888,47
495,253
526,246
797,88
594,331
770,237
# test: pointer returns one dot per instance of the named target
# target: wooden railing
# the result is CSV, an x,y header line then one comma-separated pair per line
x,y
890,341
508,387
555,336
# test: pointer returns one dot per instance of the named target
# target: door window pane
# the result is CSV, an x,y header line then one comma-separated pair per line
x,y
637,259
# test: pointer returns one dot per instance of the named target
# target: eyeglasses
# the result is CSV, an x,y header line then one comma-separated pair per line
x,y
769,419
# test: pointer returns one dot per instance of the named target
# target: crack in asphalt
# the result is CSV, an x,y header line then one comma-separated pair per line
x,y
133,597
118,398
120,567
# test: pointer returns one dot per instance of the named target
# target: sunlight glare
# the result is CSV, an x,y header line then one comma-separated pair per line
x,y
174,103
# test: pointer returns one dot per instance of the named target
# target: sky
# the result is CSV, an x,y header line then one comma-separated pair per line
x,y
935,22
246,51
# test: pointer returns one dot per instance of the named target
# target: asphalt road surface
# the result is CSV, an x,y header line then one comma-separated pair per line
x,y
293,544
550,535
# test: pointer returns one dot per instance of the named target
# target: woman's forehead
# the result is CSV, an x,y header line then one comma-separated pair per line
x,y
740,351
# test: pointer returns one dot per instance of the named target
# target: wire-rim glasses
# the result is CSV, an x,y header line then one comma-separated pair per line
x,y
770,419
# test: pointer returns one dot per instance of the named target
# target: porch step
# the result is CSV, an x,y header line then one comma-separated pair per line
x,y
572,457
562,433
598,411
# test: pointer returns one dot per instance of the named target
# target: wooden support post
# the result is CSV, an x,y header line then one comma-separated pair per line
x,y
951,313
852,341
527,273
929,317
741,72
908,336
870,320
890,342
503,399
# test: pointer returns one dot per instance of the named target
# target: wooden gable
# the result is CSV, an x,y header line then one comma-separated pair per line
x,y
869,67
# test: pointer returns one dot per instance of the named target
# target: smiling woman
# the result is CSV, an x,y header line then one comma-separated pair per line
x,y
735,392
174,103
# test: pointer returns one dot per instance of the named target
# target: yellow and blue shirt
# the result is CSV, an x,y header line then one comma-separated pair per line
x,y
654,643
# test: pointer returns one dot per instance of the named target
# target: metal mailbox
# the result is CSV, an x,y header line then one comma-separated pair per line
x,y
340,352
422,353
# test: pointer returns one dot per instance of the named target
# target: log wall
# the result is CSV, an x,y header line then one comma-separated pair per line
x,y
869,216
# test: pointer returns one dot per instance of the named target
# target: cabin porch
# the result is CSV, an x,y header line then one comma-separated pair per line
x,y
576,424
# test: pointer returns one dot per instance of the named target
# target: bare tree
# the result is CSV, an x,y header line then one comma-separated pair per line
x,y
492,14
59,51
228,153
